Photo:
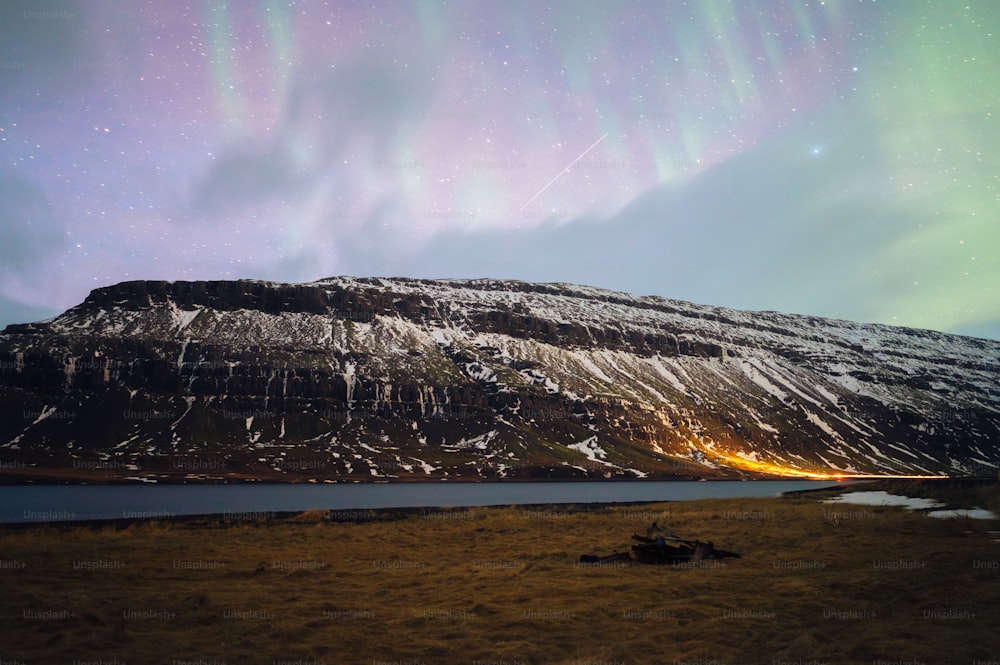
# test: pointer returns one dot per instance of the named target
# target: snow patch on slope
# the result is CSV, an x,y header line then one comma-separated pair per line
x,y
593,451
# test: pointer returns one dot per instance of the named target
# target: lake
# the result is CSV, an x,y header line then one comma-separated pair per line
x,y
52,503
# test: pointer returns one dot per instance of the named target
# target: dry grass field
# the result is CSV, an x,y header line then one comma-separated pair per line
x,y
817,583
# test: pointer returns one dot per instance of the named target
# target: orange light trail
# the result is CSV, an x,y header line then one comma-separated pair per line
x,y
768,468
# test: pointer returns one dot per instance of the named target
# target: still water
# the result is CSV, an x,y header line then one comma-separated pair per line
x,y
41,503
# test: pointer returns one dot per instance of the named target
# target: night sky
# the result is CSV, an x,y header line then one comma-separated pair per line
x,y
833,158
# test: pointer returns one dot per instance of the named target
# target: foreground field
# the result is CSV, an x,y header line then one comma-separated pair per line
x,y
817,583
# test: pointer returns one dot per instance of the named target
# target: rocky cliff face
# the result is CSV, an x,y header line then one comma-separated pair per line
x,y
415,379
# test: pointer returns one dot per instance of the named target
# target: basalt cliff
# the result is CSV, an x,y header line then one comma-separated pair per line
x,y
405,379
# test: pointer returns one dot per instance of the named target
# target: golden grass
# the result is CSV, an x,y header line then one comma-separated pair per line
x,y
816,582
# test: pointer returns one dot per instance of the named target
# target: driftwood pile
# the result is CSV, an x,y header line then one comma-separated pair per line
x,y
665,548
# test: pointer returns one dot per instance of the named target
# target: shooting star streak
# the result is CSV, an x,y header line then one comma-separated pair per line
x,y
563,172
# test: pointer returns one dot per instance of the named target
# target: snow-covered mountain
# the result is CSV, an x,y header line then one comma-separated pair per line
x,y
416,379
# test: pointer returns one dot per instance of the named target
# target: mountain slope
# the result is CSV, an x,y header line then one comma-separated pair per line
x,y
419,379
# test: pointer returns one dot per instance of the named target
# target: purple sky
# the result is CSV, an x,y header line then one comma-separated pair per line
x,y
832,158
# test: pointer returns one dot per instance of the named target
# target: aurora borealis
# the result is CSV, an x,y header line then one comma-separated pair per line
x,y
833,158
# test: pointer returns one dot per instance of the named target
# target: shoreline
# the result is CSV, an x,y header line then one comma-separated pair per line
x,y
226,518
381,514
335,516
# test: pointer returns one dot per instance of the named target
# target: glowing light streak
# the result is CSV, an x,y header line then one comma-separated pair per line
x,y
771,469
563,172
